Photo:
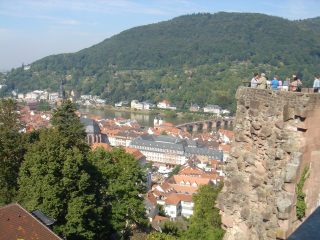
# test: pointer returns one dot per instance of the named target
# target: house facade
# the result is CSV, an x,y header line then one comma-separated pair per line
x,y
171,151
215,109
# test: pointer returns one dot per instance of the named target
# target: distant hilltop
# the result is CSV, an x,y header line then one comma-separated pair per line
x,y
198,58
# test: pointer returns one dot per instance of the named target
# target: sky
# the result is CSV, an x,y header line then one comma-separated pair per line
x,y
33,29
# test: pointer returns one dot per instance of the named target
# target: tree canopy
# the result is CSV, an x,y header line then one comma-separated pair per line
x,y
122,185
55,177
12,149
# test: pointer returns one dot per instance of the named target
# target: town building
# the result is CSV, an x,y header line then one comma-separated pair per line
x,y
165,150
215,109
119,138
169,150
53,97
135,104
166,105
175,193
194,108
93,132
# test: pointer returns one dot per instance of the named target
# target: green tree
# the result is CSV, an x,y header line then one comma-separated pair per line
x,y
66,121
122,184
12,149
160,236
205,223
56,178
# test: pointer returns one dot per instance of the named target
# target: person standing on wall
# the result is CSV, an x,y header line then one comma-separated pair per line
x,y
262,82
295,85
316,83
254,80
275,83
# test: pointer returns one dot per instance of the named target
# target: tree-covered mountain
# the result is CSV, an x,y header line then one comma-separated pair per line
x,y
198,58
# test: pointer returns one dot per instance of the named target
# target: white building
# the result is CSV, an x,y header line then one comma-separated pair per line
x,y
31,96
53,96
225,112
177,204
135,104
86,97
165,105
187,206
212,109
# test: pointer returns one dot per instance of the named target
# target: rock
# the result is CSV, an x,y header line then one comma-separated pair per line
x,y
291,145
272,233
249,159
227,220
271,152
284,205
262,194
267,214
255,180
278,183
236,182
288,113
279,154
235,152
265,132
256,125
245,213
279,124
295,157
291,172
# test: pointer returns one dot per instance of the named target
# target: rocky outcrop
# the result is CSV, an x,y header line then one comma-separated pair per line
x,y
268,154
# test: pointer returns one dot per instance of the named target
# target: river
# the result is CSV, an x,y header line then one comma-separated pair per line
x,y
143,119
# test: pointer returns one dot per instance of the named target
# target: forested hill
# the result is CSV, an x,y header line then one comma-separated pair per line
x,y
198,58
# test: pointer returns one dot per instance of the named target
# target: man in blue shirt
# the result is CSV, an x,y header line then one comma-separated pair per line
x,y
275,83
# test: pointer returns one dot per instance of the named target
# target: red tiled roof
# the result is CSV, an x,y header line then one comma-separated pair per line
x,y
135,152
18,223
175,198
151,198
105,146
172,199
159,218
166,187
190,171
190,179
184,189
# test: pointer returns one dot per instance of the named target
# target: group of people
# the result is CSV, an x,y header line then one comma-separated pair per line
x,y
295,85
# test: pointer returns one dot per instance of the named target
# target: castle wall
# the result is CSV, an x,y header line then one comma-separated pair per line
x,y
275,138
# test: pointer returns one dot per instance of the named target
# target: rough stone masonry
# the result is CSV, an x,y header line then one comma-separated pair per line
x,y
276,137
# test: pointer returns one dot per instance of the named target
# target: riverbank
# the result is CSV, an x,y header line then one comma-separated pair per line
x,y
164,113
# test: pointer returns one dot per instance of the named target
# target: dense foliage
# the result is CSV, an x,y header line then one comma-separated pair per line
x,y
199,58
12,150
205,223
121,187
91,195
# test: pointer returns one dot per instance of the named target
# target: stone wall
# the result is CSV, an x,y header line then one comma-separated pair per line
x,y
272,146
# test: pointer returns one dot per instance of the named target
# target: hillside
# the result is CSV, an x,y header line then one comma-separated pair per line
x,y
198,58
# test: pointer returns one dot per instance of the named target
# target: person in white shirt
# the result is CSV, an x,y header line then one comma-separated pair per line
x,y
316,83
254,80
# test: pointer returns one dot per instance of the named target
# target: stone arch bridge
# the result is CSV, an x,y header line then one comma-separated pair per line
x,y
206,124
